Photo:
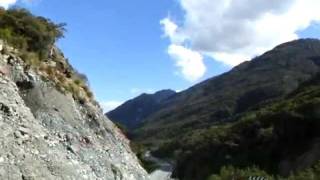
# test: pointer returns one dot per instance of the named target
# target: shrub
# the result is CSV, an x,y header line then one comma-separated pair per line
x,y
50,72
90,94
78,82
35,37
27,32
82,77
5,33
30,58
227,173
61,78
310,174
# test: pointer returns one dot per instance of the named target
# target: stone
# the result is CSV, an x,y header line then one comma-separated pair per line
x,y
47,134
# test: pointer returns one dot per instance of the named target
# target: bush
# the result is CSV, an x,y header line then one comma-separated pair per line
x,y
310,174
35,37
228,173
78,82
90,94
30,58
27,32
61,78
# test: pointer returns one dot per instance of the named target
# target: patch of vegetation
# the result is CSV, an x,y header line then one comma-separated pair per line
x,y
35,39
229,172
123,129
264,137
140,150
149,166
29,33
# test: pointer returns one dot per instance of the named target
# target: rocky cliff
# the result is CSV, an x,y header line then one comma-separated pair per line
x,y
48,133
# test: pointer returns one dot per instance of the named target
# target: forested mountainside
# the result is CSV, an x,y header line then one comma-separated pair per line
x,y
132,113
263,115
270,76
271,139
51,126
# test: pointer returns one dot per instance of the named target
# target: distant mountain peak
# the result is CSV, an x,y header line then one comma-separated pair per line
x,y
305,43
272,75
133,112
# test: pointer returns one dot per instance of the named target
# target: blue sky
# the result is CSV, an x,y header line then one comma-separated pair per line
x,y
118,46
124,50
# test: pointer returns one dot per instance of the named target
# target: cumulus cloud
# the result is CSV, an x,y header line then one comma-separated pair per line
x,y
169,27
170,30
189,62
7,3
232,31
110,105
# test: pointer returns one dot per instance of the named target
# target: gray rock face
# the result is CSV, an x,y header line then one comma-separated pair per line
x,y
45,134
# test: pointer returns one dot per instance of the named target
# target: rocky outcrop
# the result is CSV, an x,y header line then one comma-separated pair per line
x,y
47,134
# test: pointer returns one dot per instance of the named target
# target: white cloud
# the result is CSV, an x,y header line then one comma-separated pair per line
x,y
232,31
169,27
110,105
7,3
170,30
190,62
138,91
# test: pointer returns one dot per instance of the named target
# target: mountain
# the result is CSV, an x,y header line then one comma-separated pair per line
x,y
278,138
270,76
260,118
132,113
51,126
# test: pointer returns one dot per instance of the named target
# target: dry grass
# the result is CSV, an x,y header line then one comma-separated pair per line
x,y
31,59
65,79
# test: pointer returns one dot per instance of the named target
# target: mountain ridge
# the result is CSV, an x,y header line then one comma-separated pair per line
x,y
131,113
271,75
233,119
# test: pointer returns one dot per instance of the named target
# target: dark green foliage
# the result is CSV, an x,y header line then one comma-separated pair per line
x,y
140,150
225,98
277,132
132,113
263,113
121,127
229,172
148,165
35,39
27,32
82,77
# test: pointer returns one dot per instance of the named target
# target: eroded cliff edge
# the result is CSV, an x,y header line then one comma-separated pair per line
x,y
46,133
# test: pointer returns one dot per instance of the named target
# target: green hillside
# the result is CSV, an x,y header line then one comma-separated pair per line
x,y
262,115
280,137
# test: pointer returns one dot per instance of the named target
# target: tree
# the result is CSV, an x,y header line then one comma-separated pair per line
x,y
25,31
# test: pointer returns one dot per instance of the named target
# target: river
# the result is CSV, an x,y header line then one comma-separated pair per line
x,y
163,172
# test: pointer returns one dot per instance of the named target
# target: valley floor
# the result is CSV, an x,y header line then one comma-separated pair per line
x,y
160,175
163,172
